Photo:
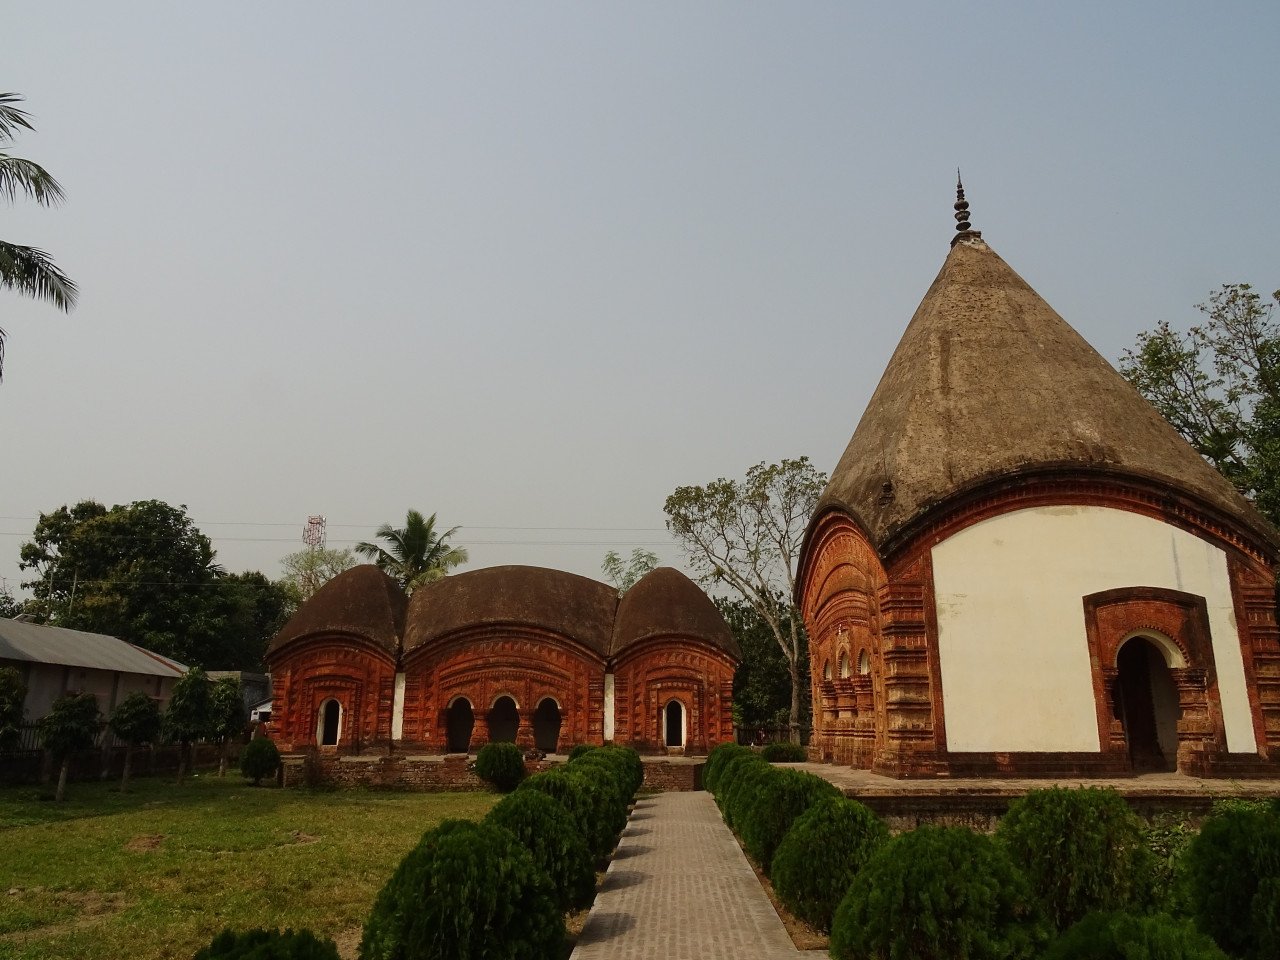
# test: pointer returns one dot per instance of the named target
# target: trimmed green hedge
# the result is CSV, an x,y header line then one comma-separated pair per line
x,y
784,753
732,769
268,945
719,756
1081,850
743,791
467,890
821,854
580,750
587,802
938,893
1233,881
1123,936
501,764
259,759
784,795
545,827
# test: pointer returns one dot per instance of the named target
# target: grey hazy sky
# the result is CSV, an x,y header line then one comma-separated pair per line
x,y
534,265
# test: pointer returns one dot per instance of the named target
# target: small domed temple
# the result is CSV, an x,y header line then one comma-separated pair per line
x,y
538,657
1019,567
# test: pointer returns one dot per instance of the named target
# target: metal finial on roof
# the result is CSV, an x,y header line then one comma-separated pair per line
x,y
962,213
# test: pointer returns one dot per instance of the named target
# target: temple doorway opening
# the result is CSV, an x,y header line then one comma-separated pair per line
x,y
459,722
1148,705
330,723
673,724
504,721
546,726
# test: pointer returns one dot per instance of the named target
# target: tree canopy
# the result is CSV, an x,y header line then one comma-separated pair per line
x,y
624,574
762,682
28,270
745,535
415,553
306,571
143,572
1219,385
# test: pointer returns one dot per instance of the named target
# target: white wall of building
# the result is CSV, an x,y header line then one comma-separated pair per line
x,y
1011,629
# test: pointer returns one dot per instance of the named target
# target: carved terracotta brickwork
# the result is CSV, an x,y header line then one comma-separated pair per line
x,y
483,664
840,602
1253,589
358,674
650,674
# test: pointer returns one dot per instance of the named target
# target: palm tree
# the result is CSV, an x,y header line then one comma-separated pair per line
x,y
414,554
26,269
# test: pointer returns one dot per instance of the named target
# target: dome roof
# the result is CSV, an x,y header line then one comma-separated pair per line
x,y
666,603
362,601
988,381
563,603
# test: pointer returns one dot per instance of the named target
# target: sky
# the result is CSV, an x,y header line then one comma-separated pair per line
x,y
532,266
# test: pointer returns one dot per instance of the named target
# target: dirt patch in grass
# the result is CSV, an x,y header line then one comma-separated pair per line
x,y
144,842
89,907
348,942
299,837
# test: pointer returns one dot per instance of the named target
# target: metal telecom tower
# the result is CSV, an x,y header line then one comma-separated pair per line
x,y
313,534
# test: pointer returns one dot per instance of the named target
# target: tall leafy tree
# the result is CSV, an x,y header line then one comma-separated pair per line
x,y
135,720
71,724
189,716
247,610
306,571
624,574
13,696
1218,383
28,270
415,553
745,535
227,716
762,682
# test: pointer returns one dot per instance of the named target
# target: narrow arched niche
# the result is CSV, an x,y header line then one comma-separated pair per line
x,y
546,725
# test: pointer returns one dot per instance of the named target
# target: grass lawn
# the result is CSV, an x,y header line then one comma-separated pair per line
x,y
158,871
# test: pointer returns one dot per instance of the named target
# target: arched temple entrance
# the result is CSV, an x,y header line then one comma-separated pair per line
x,y
504,721
330,724
459,722
1148,705
546,726
673,724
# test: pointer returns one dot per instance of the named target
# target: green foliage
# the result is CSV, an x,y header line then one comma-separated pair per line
x,y
468,890
938,893
586,802
306,571
260,758
734,767
762,681
1081,850
545,827
71,724
268,945
1233,880
716,761
623,761
1166,839
144,573
136,719
227,715
744,791
821,854
625,574
611,786
415,553
28,270
746,535
1217,384
784,753
581,750
189,715
13,694
783,797
501,764
1124,936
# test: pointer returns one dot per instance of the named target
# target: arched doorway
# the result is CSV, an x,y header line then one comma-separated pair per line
x,y
459,722
1148,705
504,721
546,726
330,725
673,724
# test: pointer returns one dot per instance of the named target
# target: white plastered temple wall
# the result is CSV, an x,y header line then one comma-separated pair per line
x,y
1012,645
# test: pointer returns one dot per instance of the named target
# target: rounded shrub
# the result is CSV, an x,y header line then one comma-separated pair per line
x,y
624,763
545,827
1124,936
729,773
585,802
582,749
938,893
744,790
259,759
821,854
716,760
1081,850
609,785
467,890
1233,882
268,945
782,798
501,764
784,753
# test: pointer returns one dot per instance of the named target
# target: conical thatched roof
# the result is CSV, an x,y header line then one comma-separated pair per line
x,y
362,601
666,603
988,381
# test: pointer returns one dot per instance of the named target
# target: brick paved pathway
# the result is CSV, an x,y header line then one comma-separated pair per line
x,y
679,888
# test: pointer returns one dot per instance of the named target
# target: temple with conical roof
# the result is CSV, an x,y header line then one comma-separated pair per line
x,y
1019,567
